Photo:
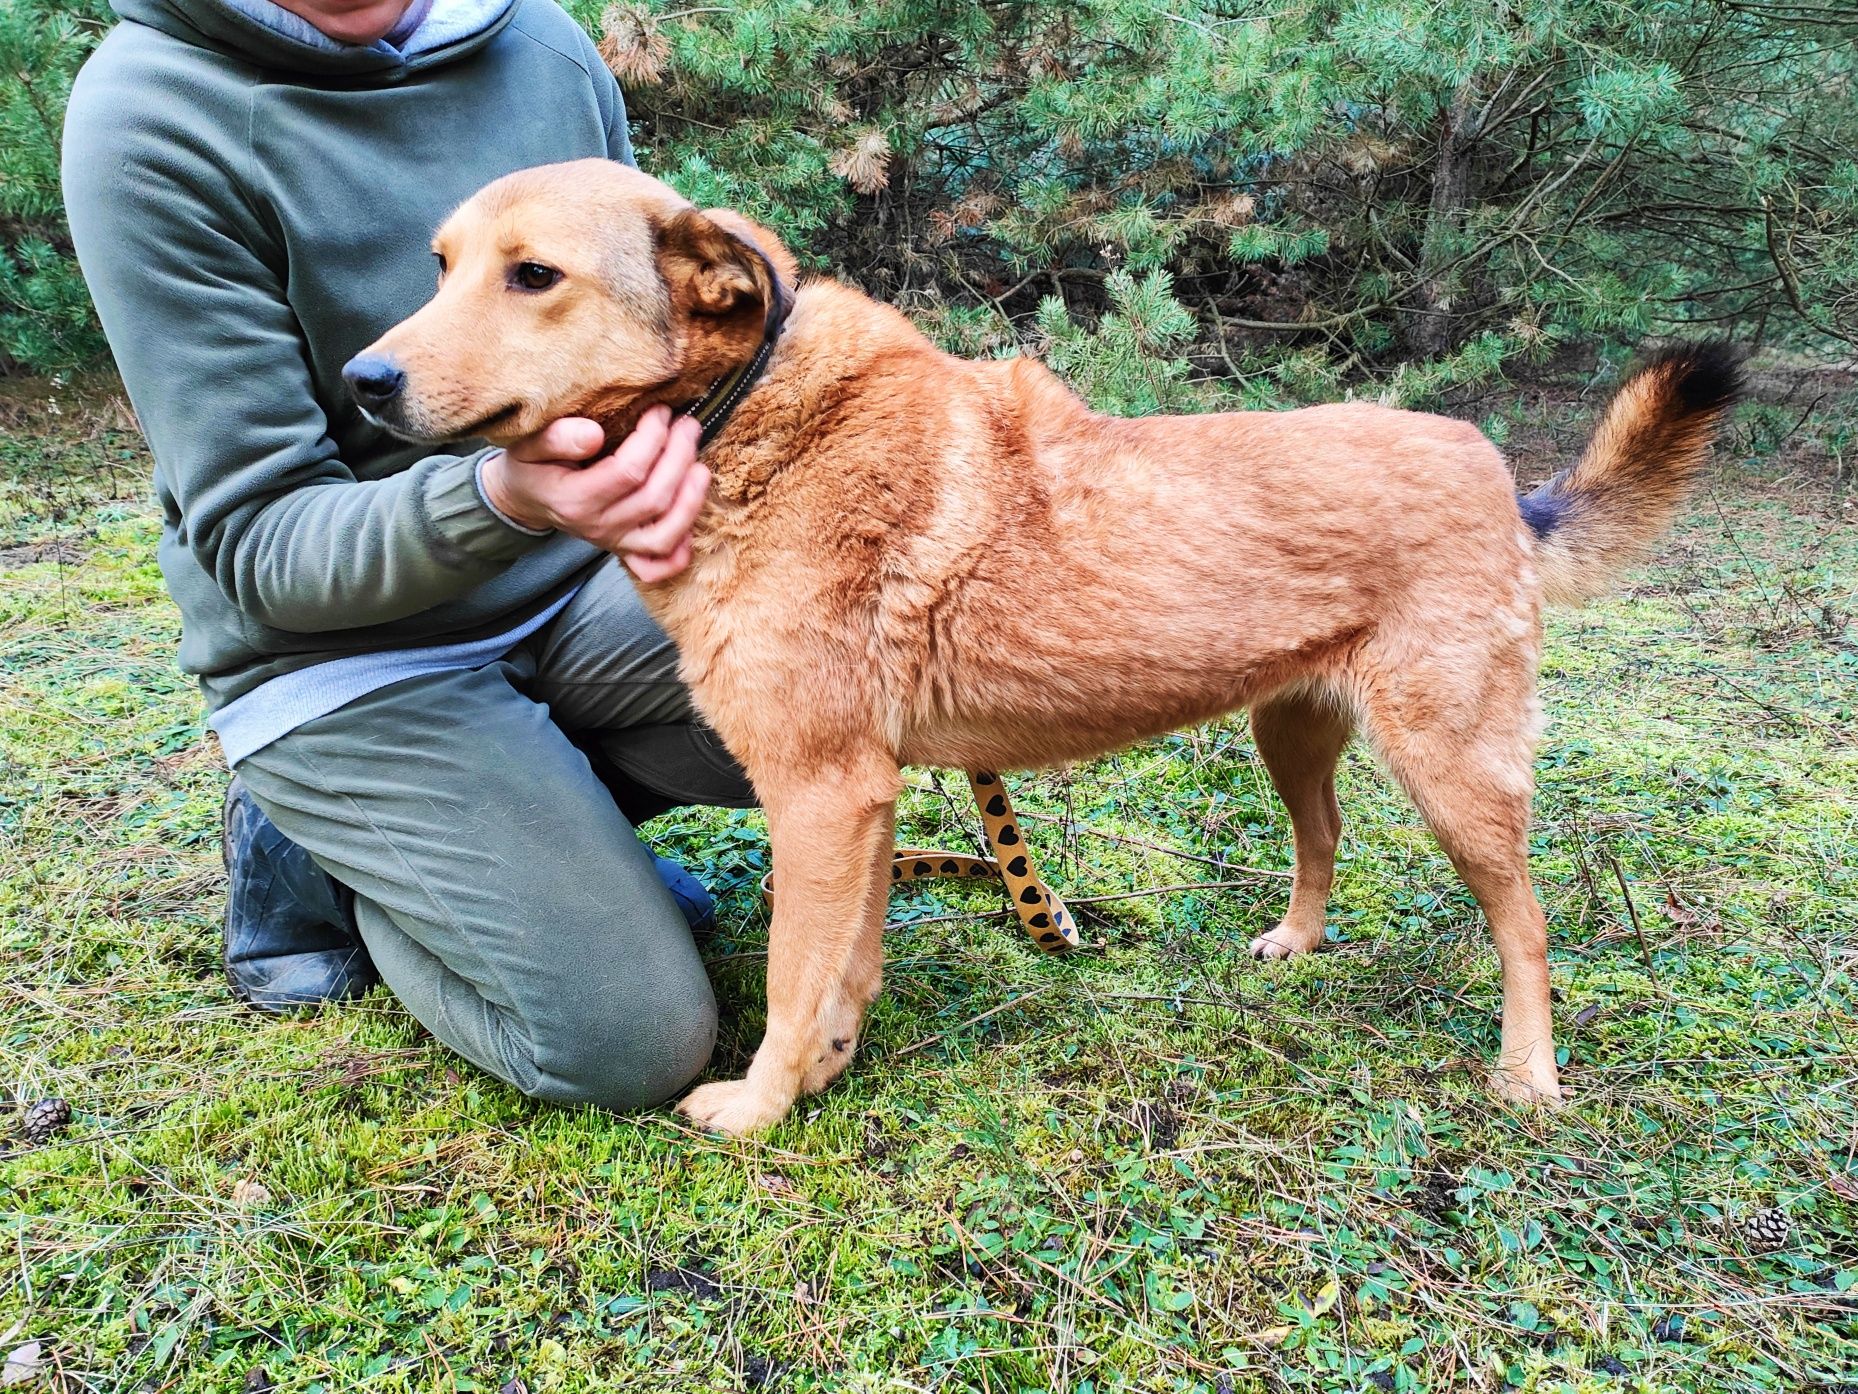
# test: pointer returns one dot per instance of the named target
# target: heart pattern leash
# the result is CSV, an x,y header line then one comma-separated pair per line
x,y
1040,909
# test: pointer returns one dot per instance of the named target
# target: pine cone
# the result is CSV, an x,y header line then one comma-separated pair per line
x,y
1767,1228
45,1120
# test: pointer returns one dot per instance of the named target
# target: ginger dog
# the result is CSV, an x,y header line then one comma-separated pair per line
x,y
912,559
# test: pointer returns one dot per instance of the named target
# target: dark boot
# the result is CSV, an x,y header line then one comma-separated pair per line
x,y
290,940
699,910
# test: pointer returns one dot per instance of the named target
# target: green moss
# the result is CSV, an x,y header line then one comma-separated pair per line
x,y
1162,1167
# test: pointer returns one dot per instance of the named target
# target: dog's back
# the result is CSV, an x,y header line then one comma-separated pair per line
x,y
1084,580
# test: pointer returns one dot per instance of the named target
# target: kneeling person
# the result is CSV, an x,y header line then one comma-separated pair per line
x,y
446,724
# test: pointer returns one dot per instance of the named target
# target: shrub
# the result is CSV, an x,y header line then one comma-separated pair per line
x,y
1341,187
45,318
1381,179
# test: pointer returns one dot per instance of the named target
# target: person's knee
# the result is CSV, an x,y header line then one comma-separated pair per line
x,y
648,1050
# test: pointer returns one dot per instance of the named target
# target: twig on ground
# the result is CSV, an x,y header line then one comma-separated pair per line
x,y
1007,1005
1632,911
1086,830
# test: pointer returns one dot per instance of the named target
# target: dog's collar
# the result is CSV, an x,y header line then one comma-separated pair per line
x,y
714,408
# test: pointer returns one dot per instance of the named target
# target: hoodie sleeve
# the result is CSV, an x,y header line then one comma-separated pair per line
x,y
214,361
618,139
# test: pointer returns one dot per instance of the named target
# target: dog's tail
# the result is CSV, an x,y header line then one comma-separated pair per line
x,y
1599,517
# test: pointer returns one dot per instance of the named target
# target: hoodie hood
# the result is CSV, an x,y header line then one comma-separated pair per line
x,y
270,36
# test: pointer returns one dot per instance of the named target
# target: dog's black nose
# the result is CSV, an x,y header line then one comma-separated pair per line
x,y
374,381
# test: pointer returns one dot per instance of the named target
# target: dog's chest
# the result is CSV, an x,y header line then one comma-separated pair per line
x,y
819,609
754,607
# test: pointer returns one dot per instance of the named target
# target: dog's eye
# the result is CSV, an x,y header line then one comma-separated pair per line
x,y
440,258
532,275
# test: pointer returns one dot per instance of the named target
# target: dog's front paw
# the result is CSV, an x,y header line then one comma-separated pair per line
x,y
732,1106
1285,942
1525,1090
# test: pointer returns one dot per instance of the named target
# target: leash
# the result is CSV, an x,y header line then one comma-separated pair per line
x,y
1040,909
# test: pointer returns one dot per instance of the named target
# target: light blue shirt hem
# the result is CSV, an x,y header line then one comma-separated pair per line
x,y
274,709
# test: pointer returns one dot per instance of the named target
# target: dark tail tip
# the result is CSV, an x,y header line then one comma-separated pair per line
x,y
1708,376
1544,509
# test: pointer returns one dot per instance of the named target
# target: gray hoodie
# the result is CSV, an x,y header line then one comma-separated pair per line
x,y
251,204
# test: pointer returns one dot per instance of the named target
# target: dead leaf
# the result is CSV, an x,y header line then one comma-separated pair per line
x,y
865,165
250,1195
22,1365
633,46
1689,916
1233,210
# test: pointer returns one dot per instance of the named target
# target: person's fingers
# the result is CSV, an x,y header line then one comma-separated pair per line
x,y
659,491
644,488
687,432
611,478
650,569
662,536
570,438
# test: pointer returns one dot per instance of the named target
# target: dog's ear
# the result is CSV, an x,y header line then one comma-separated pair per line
x,y
724,261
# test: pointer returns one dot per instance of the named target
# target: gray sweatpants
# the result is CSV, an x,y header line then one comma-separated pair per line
x,y
499,886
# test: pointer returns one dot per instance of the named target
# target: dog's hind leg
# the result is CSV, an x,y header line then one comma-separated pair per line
x,y
1459,734
1300,736
830,835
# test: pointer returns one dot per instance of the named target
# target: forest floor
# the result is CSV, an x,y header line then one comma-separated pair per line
x,y
1151,1165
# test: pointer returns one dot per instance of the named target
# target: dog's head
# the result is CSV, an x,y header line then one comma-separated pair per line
x,y
582,289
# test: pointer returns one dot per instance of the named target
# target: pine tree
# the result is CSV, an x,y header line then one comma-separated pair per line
x,y
1340,187
45,318
1371,181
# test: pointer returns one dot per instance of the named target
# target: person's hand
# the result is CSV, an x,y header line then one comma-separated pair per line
x,y
639,502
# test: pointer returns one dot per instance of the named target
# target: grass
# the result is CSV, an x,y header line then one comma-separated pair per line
x,y
1153,1165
